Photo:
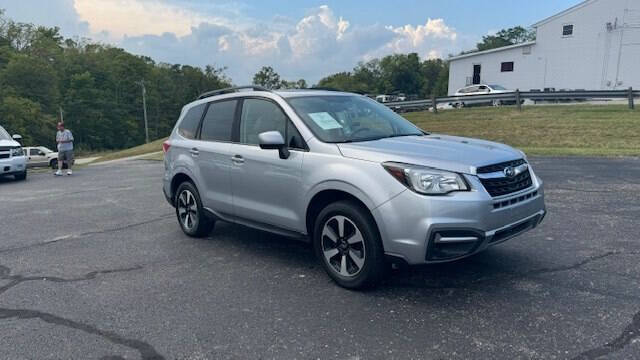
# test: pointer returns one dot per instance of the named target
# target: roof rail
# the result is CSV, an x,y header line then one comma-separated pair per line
x,y
231,90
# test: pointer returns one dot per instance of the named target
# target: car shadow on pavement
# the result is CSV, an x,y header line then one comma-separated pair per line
x,y
495,265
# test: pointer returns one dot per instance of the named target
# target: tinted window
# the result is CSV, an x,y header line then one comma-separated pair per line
x,y
34,152
259,116
218,122
294,138
506,66
189,124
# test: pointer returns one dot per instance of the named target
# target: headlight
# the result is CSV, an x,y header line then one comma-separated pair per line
x,y
426,180
17,152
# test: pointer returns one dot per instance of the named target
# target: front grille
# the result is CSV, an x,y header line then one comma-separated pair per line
x,y
4,156
499,167
503,186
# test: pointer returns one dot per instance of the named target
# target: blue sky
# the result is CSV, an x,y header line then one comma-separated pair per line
x,y
300,39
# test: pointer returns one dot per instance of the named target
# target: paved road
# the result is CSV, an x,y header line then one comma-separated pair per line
x,y
94,266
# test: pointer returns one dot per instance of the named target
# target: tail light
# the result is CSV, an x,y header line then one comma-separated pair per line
x,y
165,146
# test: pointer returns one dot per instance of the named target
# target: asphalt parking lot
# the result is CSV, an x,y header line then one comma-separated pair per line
x,y
94,266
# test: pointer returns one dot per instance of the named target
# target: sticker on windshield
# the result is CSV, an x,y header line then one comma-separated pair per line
x,y
325,121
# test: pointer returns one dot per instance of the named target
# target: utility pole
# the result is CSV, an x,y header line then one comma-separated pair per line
x,y
61,116
144,108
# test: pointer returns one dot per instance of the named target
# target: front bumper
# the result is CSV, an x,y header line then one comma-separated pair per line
x,y
13,165
430,229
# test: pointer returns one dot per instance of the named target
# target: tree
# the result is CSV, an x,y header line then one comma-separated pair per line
x,y
94,84
393,74
267,78
506,37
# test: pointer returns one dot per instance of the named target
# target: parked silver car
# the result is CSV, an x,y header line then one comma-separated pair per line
x,y
466,96
343,171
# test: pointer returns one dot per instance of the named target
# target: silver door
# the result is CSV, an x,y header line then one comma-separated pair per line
x,y
266,188
214,157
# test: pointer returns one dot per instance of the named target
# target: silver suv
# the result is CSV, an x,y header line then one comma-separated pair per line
x,y
363,184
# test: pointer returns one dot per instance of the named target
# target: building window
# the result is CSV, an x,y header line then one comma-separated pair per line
x,y
507,66
567,30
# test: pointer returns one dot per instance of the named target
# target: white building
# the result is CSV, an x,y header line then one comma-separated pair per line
x,y
594,45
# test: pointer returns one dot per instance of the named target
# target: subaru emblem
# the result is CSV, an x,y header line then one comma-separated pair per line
x,y
509,172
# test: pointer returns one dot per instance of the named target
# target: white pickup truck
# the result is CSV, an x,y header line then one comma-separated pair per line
x,y
12,159
41,156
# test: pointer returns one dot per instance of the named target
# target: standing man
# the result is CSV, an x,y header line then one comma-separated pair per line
x,y
64,138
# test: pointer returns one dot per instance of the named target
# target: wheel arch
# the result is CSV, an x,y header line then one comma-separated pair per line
x,y
178,179
327,196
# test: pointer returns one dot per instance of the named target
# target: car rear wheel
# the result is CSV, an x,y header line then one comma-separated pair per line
x,y
347,244
191,216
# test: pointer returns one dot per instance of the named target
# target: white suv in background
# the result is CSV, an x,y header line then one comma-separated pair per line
x,y
12,159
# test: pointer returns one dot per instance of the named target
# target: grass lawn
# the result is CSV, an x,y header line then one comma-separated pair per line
x,y
151,147
597,130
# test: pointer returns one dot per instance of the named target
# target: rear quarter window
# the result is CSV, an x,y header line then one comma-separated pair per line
x,y
189,124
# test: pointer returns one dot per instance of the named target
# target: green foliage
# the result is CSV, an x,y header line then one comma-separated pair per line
x,y
267,78
506,37
270,79
94,85
394,74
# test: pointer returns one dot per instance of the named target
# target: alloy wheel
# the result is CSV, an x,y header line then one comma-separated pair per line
x,y
187,210
343,246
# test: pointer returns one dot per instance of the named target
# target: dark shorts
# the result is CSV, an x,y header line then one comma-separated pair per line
x,y
65,156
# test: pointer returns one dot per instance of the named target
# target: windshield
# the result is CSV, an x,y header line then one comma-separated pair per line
x,y
4,135
338,119
497,87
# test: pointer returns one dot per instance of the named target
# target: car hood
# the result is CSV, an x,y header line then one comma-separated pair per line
x,y
451,153
9,143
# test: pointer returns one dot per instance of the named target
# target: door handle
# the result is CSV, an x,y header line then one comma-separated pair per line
x,y
238,159
194,152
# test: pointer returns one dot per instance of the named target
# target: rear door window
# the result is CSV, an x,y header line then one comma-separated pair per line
x,y
189,124
218,122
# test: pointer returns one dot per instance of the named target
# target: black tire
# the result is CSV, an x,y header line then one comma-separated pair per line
x,y
54,164
372,267
21,176
194,222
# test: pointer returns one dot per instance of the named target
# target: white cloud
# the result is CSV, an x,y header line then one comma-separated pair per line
x,y
427,40
311,47
140,17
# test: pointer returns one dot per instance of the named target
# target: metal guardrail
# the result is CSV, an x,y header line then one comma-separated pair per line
x,y
517,97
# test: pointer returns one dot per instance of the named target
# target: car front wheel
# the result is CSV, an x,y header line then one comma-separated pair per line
x,y
54,164
21,176
193,221
347,243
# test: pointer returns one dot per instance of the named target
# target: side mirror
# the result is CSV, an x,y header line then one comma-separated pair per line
x,y
273,140
17,137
